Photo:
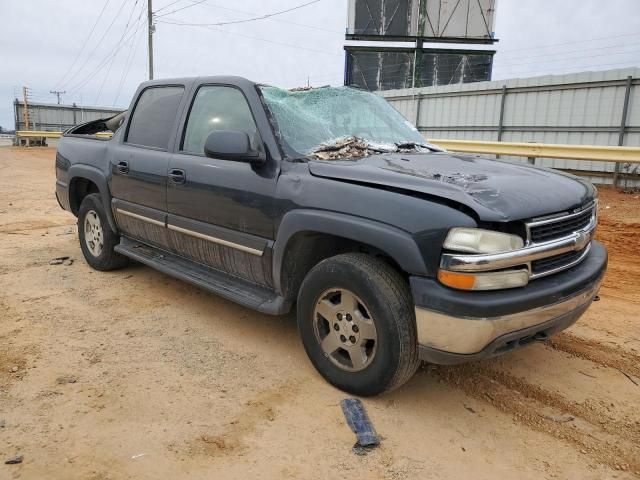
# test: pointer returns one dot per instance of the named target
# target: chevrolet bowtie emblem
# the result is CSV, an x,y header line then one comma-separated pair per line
x,y
581,240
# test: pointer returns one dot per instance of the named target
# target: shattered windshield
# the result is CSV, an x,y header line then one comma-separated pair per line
x,y
339,122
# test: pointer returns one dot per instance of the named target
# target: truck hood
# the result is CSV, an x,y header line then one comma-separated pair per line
x,y
497,190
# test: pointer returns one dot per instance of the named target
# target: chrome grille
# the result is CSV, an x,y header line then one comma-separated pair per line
x,y
550,264
553,228
556,228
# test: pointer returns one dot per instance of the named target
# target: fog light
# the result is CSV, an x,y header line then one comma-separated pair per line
x,y
484,281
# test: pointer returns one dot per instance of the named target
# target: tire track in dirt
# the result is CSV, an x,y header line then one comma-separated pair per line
x,y
255,412
596,352
17,227
588,410
613,444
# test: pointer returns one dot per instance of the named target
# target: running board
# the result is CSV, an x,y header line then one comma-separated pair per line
x,y
232,288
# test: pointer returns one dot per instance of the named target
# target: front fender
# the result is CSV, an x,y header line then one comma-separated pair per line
x,y
396,243
98,177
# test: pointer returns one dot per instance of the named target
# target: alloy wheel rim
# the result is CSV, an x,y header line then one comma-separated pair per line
x,y
345,329
93,234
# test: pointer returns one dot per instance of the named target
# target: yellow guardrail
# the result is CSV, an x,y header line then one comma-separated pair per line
x,y
37,134
599,153
43,133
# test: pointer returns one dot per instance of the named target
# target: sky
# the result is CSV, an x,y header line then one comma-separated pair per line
x,y
53,45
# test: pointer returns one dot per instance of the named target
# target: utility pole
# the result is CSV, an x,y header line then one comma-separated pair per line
x,y
151,30
57,94
25,111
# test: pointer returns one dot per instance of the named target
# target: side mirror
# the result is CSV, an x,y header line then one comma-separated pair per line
x,y
232,145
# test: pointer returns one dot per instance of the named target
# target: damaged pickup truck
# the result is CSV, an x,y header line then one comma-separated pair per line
x,y
391,249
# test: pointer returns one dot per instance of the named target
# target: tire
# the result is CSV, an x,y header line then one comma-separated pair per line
x,y
381,297
97,240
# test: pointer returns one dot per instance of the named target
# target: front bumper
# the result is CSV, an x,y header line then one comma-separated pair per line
x,y
456,326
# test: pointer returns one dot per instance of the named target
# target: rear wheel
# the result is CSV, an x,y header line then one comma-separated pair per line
x,y
97,240
357,323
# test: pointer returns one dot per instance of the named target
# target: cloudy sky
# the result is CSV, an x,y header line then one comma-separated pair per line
x,y
53,45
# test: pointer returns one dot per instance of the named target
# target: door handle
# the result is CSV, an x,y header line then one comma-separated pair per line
x,y
177,176
123,167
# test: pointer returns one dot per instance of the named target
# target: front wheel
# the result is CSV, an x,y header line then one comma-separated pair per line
x,y
97,240
357,323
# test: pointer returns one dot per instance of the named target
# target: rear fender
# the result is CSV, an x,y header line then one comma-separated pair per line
x,y
98,177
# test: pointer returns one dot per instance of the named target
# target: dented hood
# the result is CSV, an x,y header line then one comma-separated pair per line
x,y
496,190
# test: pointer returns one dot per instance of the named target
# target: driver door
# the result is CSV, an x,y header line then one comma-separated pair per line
x,y
220,211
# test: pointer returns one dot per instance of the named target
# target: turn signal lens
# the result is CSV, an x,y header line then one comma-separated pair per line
x,y
461,281
477,240
484,281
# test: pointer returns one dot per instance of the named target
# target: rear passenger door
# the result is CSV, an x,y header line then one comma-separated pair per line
x,y
221,211
139,164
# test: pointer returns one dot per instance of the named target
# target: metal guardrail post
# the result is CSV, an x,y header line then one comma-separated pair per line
x,y
503,97
623,126
501,119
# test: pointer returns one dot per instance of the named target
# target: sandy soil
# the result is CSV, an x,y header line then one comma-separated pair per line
x,y
132,374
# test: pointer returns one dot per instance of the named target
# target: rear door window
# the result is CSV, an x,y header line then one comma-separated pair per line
x,y
217,108
154,117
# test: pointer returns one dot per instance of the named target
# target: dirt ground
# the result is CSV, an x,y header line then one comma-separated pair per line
x,y
132,374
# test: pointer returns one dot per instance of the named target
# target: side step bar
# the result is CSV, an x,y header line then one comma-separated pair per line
x,y
232,288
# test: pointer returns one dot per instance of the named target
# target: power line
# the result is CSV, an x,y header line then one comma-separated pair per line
x,y
104,61
280,20
113,58
262,17
133,9
110,55
168,5
84,44
128,65
101,38
251,37
566,52
130,55
554,60
181,8
570,43
104,79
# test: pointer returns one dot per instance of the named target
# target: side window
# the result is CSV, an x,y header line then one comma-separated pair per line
x,y
154,117
217,108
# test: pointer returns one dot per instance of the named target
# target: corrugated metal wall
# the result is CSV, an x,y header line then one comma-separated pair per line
x,y
582,108
56,118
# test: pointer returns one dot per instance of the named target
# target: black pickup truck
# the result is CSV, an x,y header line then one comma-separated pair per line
x,y
393,250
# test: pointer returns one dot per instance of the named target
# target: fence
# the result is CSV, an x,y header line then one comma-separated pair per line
x,y
589,108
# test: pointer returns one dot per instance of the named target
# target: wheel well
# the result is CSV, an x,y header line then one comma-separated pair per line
x,y
306,249
80,188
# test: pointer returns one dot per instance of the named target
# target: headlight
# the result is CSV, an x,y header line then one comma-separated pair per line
x,y
477,240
